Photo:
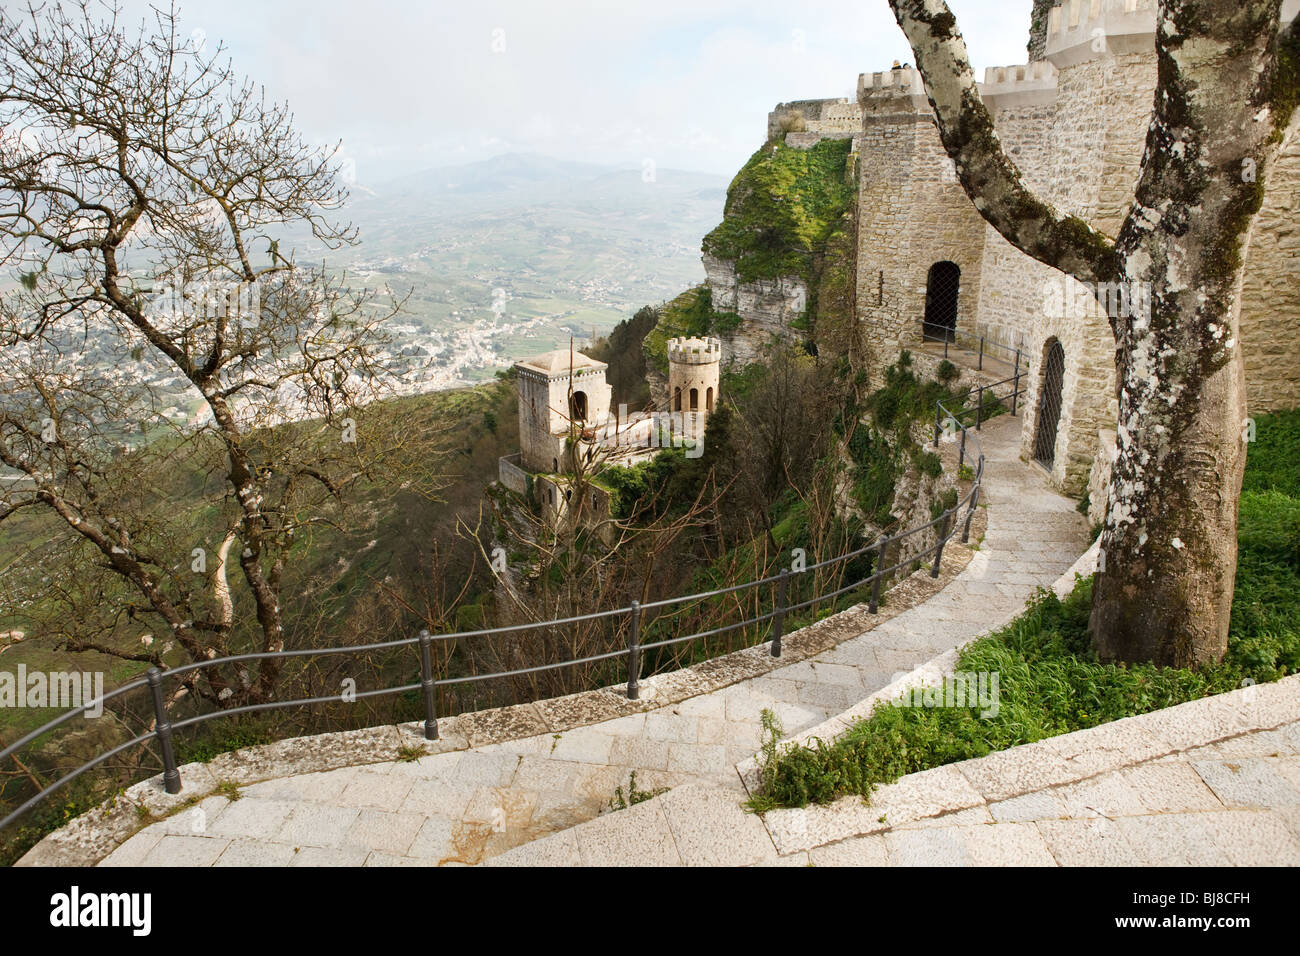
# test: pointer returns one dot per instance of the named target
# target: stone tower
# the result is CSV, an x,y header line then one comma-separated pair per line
x,y
546,411
694,375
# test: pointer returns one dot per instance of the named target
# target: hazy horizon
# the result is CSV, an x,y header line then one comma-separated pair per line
x,y
415,86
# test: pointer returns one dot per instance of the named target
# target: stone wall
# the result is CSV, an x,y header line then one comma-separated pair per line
x,y
1075,122
543,411
807,140
1270,295
831,116
912,214
1083,155
511,475
1099,476
555,497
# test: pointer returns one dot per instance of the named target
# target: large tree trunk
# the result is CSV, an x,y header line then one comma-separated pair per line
x,y
1164,591
1224,100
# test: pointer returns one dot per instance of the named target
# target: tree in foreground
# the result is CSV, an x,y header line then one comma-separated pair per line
x,y
1224,107
159,349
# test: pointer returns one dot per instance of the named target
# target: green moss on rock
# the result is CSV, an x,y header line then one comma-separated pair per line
x,y
781,207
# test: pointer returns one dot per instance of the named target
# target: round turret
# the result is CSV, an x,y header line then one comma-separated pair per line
x,y
695,351
694,373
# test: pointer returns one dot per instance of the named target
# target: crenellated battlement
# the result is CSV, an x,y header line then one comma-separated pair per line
x,y
694,351
834,118
1024,84
1003,86
1081,30
1038,73
900,81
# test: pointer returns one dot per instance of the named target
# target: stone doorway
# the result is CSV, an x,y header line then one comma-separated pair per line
x,y
942,286
1049,405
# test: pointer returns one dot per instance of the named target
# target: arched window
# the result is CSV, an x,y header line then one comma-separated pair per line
x,y
578,407
941,289
677,400
555,464
708,398
695,399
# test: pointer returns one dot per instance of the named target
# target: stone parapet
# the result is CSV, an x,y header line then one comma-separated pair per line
x,y
1010,87
1081,30
694,351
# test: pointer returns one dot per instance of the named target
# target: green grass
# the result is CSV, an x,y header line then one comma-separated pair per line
x,y
781,208
1050,681
1271,458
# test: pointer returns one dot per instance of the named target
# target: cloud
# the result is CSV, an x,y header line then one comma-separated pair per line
x,y
412,84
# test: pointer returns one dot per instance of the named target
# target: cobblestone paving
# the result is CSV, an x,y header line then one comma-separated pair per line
x,y
1138,792
464,807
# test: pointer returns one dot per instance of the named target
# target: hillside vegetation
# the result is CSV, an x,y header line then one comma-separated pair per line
x,y
781,209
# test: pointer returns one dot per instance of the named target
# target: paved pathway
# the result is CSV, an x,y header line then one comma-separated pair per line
x,y
1144,791
470,805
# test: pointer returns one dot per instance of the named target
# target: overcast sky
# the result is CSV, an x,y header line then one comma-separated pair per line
x,y
413,84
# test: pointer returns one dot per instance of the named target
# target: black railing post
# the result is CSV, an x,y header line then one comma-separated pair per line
x,y
979,411
427,687
778,617
881,543
943,539
981,361
961,455
162,728
970,513
634,653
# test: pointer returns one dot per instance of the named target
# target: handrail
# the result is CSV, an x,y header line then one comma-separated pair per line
x,y
951,334
946,522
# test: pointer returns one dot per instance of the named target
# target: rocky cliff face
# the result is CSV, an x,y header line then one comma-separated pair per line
x,y
767,307
765,260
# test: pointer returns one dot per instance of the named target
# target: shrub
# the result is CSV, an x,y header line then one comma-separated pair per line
x,y
792,122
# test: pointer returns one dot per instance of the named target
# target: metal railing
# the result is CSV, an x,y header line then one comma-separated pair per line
x,y
953,423
633,653
982,345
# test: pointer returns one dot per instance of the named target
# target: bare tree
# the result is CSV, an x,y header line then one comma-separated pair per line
x,y
1224,106
144,191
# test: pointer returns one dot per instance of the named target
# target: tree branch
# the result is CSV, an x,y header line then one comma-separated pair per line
x,y
988,175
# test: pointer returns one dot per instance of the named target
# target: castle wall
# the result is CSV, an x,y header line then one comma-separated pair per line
x,y
912,214
544,412
537,446
1076,124
827,117
1270,296
511,475
1084,156
555,496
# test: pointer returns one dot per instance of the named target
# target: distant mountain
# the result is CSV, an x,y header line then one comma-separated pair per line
x,y
500,174
509,256
538,177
